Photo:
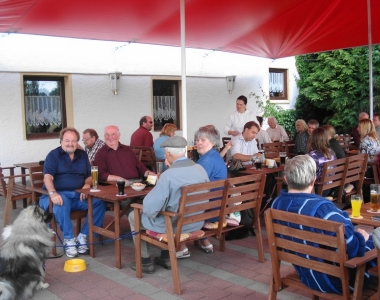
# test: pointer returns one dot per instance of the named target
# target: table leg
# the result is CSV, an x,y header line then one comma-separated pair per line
x,y
90,224
23,180
117,235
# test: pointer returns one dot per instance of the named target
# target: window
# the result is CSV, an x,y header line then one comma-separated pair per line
x,y
166,103
44,100
278,84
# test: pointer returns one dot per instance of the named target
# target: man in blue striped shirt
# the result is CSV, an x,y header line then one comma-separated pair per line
x,y
300,174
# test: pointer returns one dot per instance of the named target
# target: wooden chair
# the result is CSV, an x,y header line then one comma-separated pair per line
x,y
193,207
289,149
332,177
375,271
137,152
36,183
18,188
272,150
12,192
356,167
328,250
225,141
148,157
248,190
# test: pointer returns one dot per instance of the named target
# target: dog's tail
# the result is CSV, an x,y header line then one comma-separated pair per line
x,y
7,292
7,232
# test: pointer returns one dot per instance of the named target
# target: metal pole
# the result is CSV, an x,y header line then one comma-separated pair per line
x,y
370,59
183,70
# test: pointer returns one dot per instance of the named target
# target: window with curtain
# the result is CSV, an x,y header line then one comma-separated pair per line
x,y
44,101
166,103
278,84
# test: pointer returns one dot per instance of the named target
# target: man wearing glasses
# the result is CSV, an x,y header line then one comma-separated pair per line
x,y
92,143
117,161
142,136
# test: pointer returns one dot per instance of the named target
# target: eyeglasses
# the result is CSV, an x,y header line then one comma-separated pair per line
x,y
85,140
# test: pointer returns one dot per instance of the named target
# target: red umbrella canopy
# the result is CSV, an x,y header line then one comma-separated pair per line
x,y
270,28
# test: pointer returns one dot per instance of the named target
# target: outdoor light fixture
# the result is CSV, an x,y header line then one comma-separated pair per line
x,y
114,78
230,82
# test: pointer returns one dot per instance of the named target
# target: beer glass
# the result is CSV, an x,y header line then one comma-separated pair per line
x,y
94,176
356,204
282,157
159,168
120,187
374,197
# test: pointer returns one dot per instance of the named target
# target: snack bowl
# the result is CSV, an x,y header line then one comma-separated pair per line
x,y
137,186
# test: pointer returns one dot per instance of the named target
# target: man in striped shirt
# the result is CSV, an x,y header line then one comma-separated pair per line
x,y
92,143
300,174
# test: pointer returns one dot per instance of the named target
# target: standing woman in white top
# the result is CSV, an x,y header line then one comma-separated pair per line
x,y
236,121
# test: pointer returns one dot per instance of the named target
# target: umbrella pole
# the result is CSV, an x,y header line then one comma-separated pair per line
x,y
370,59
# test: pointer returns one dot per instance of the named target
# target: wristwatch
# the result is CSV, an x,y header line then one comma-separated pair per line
x,y
51,193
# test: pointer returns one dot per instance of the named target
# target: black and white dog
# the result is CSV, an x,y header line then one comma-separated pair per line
x,y
27,244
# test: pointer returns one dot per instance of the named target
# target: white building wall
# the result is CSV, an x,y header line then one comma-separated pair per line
x,y
94,105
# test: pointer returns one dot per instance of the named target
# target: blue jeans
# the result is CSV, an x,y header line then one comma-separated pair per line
x,y
72,202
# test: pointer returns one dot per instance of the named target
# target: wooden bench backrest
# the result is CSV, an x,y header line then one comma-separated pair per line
x,y
195,205
272,150
356,166
331,251
246,189
243,193
147,156
332,176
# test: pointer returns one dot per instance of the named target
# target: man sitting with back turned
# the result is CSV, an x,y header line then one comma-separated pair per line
x,y
142,136
165,196
117,161
67,169
300,174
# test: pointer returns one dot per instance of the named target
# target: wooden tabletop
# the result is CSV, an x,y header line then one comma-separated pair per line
x,y
27,165
366,214
109,193
252,170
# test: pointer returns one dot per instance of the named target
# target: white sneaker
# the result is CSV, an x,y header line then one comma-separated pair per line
x,y
70,247
82,244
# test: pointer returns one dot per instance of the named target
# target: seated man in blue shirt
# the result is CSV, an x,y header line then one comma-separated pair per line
x,y
300,174
67,169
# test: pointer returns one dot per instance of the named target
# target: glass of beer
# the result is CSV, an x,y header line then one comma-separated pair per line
x,y
94,176
282,157
374,197
356,204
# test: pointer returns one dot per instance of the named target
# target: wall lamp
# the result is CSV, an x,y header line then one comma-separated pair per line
x,y
114,78
230,82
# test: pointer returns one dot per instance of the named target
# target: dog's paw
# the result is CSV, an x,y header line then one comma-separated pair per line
x,y
42,285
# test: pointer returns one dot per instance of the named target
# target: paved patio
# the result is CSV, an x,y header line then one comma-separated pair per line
x,y
233,274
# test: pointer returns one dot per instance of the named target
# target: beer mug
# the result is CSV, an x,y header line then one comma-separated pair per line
x,y
374,197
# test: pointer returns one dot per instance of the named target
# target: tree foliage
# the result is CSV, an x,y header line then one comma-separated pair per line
x,y
334,86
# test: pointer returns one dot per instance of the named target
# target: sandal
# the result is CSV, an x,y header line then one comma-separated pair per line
x,y
183,253
208,248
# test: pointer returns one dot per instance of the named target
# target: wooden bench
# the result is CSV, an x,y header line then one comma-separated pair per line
x,y
329,251
194,206
247,190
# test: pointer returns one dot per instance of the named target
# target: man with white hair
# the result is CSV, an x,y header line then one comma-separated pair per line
x,y
300,174
165,196
276,132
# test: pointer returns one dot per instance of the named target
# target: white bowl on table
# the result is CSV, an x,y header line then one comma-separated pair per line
x,y
138,186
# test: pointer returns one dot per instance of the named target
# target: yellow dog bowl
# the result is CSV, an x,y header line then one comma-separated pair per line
x,y
75,265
